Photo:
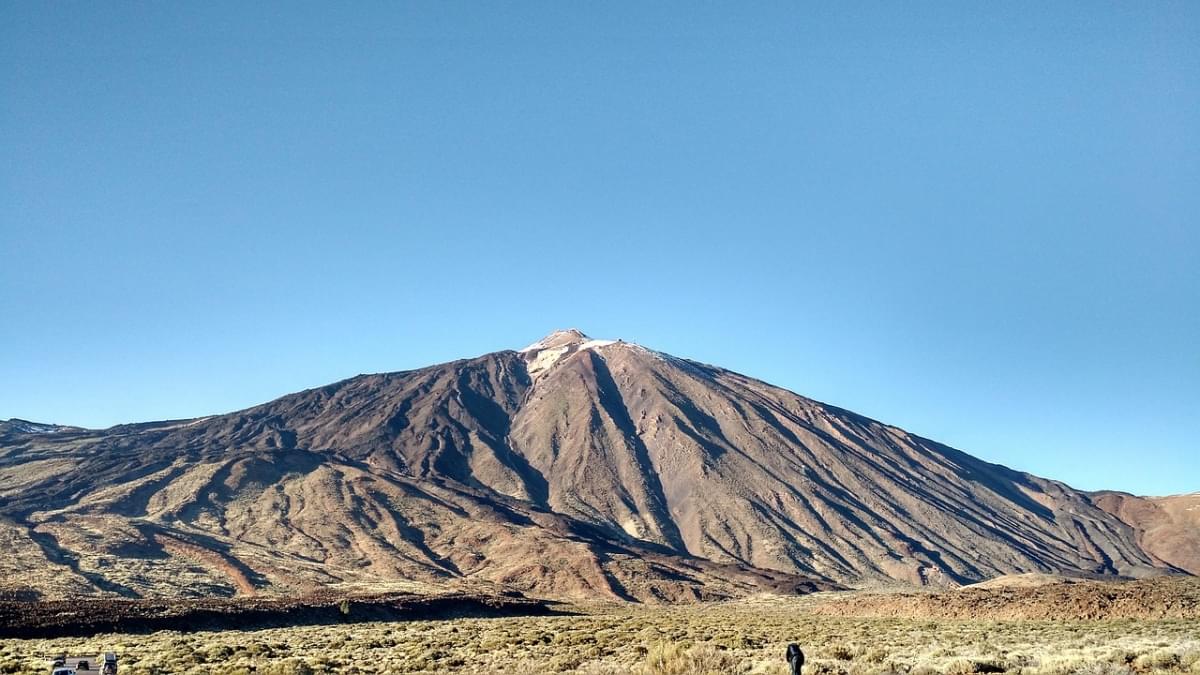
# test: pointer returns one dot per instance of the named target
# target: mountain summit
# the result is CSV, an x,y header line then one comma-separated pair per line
x,y
557,339
574,468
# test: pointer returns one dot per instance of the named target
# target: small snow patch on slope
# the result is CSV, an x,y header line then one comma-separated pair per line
x,y
544,359
26,427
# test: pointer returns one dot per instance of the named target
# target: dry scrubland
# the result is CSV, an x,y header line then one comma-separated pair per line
x,y
746,636
1032,597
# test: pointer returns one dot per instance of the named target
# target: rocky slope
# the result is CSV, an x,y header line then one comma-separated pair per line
x,y
1167,528
573,468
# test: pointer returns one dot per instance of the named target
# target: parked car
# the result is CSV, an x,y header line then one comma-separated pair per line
x,y
108,663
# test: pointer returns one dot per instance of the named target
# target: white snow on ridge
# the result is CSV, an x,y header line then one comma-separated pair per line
x,y
546,353
558,338
545,359
27,427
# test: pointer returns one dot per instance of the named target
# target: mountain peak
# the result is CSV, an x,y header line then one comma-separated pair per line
x,y
559,338
546,353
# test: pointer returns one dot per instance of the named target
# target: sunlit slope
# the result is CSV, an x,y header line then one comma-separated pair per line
x,y
573,468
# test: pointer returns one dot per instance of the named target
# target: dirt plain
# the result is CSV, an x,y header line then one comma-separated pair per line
x,y
745,636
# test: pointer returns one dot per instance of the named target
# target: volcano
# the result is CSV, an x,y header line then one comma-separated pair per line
x,y
573,468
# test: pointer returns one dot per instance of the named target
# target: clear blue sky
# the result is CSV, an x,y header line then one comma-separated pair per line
x,y
977,221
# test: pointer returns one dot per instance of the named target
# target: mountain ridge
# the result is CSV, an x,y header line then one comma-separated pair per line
x,y
573,468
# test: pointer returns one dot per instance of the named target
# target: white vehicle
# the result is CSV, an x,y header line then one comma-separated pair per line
x,y
63,671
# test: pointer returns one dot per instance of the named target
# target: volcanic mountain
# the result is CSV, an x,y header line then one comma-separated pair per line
x,y
573,468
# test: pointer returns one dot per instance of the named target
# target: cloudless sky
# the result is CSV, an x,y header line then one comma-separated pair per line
x,y
976,221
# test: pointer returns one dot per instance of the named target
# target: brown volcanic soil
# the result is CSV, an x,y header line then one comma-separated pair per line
x,y
1160,598
89,616
1168,528
574,469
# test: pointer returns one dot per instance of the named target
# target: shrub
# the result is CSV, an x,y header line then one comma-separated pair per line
x,y
959,667
969,667
1101,668
287,667
1164,660
673,659
839,652
876,655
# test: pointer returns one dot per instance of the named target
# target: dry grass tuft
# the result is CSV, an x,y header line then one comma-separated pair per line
x,y
706,659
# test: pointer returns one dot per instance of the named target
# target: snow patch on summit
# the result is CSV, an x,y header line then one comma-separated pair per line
x,y
546,353
558,338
